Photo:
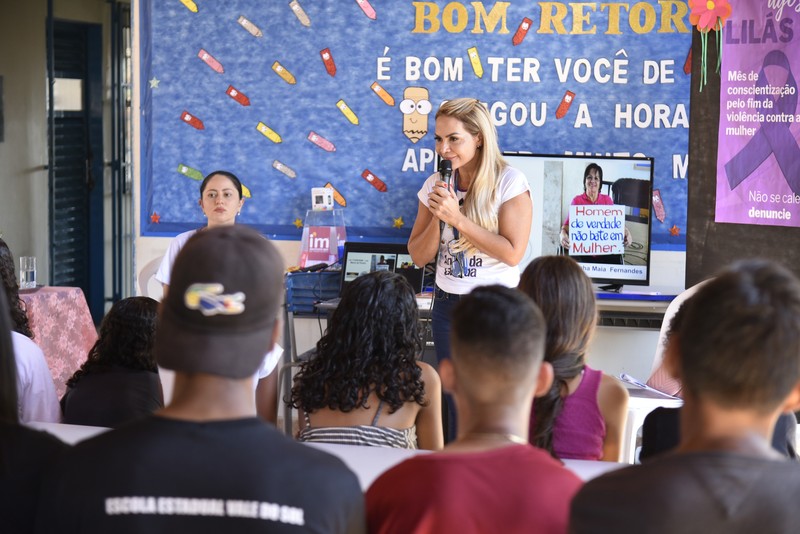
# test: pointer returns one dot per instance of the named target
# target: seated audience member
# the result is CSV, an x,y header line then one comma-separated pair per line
x,y
221,201
119,380
364,385
661,428
206,463
736,349
37,398
583,414
490,479
25,454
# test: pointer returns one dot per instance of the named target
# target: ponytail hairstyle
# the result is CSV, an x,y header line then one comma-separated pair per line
x,y
482,194
558,285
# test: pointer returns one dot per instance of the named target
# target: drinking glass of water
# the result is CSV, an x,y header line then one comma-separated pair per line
x,y
27,272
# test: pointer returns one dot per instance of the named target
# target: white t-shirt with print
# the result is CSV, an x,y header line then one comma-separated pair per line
x,y
480,269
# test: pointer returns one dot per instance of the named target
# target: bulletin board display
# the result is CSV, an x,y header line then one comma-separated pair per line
x,y
758,167
294,95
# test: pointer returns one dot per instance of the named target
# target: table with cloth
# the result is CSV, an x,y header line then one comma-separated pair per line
x,y
62,327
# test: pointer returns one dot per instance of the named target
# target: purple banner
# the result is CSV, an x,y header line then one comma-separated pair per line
x,y
758,160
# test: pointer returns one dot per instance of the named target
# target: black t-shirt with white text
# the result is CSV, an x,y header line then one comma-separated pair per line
x,y
164,475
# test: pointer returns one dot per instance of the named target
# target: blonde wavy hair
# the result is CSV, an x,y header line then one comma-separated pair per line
x,y
482,193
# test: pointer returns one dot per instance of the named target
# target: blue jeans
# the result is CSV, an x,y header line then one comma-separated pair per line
x,y
443,305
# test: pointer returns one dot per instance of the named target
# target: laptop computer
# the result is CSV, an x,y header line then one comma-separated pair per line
x,y
361,258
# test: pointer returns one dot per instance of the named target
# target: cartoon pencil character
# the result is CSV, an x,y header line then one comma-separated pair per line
x,y
285,75
190,5
269,133
475,61
327,60
211,61
285,169
522,31
235,94
189,172
376,182
382,94
337,196
321,142
658,206
193,121
415,107
254,30
300,13
347,112
367,8
564,105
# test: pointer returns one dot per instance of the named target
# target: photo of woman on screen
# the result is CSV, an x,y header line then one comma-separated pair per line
x,y
592,182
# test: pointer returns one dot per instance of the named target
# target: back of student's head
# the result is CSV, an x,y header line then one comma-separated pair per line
x,y
738,337
126,338
220,312
376,308
558,285
8,367
372,343
497,333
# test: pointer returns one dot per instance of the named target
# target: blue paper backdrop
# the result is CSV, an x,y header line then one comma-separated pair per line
x,y
175,80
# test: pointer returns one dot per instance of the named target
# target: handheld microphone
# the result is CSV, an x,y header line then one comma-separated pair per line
x,y
446,171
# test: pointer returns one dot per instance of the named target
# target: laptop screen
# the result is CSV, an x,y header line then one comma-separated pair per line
x,y
361,258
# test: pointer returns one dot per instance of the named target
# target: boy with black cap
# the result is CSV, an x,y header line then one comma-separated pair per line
x,y
735,345
206,463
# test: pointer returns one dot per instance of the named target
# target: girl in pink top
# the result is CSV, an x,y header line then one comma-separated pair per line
x,y
583,414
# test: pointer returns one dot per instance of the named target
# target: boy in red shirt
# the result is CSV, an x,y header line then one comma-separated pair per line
x,y
489,479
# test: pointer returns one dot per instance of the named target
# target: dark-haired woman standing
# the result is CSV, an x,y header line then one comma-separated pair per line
x,y
221,201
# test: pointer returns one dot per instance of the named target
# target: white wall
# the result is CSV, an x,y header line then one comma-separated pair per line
x,y
24,201
23,153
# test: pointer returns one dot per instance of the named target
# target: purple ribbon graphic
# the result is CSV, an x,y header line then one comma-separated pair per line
x,y
772,137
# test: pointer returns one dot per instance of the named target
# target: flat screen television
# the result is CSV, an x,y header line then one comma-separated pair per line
x,y
610,238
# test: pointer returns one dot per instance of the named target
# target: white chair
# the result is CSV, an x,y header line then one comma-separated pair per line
x,y
640,403
146,279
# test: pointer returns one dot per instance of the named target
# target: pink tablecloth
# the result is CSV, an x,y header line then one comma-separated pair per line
x,y
62,327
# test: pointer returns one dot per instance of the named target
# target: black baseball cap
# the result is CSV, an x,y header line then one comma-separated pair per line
x,y
225,293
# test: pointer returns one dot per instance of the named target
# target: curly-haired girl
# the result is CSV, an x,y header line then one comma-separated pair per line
x,y
119,379
364,385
